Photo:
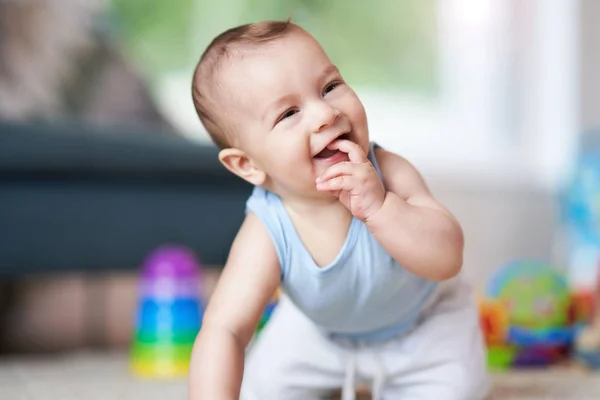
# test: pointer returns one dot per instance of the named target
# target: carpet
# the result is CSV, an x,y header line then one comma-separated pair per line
x,y
95,376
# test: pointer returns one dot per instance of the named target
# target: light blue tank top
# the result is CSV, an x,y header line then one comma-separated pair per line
x,y
363,294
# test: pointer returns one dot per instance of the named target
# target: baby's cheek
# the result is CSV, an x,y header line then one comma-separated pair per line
x,y
360,114
294,165
358,117
356,104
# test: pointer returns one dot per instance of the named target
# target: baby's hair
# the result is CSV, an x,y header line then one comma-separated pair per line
x,y
225,45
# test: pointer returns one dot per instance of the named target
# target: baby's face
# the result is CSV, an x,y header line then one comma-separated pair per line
x,y
288,103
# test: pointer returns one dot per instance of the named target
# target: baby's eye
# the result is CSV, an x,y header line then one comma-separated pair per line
x,y
287,114
330,87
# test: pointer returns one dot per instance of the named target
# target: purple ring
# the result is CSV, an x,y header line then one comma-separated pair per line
x,y
172,261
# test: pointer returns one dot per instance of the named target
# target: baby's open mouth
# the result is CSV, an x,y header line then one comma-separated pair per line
x,y
327,153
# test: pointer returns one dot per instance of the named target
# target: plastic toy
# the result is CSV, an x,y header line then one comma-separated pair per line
x,y
169,313
494,321
527,315
581,218
587,345
581,202
581,214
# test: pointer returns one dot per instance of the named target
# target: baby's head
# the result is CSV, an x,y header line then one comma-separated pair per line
x,y
272,101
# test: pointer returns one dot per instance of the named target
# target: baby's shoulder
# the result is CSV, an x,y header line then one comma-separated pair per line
x,y
386,158
390,163
261,197
399,175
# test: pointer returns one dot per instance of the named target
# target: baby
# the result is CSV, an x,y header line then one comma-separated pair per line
x,y
363,252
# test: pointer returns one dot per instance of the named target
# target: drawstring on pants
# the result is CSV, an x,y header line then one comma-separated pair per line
x,y
380,377
348,390
349,387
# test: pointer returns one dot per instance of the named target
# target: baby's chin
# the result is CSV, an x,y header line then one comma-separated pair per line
x,y
325,196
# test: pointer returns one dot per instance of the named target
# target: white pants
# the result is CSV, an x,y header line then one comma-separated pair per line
x,y
443,357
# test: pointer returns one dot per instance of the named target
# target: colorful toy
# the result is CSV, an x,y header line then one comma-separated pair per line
x,y
581,218
527,315
587,345
581,202
494,320
581,214
169,313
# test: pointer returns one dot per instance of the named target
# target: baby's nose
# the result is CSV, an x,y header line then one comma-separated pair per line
x,y
326,116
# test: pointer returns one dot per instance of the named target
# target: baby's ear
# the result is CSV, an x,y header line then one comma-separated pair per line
x,y
240,164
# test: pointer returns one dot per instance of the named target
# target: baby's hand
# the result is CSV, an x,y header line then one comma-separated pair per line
x,y
355,182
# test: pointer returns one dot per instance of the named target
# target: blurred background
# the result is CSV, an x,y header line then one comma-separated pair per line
x,y
102,158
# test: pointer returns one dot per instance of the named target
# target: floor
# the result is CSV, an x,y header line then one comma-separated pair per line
x,y
105,376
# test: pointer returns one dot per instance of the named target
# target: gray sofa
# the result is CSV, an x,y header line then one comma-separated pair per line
x,y
76,198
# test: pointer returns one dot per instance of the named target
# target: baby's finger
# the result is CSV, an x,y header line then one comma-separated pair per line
x,y
354,151
341,182
342,168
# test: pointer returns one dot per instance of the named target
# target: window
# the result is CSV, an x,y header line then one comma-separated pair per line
x,y
480,89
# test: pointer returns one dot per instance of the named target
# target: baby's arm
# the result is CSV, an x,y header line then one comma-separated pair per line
x,y
247,283
412,226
